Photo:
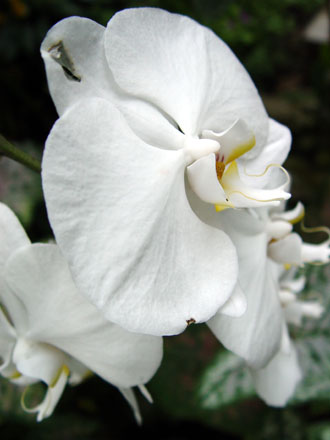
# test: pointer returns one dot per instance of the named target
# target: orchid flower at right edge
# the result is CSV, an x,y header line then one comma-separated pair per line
x,y
267,248
276,382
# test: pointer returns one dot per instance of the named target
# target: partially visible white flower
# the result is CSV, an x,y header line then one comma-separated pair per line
x,y
287,247
50,333
151,104
277,381
295,309
256,335
265,244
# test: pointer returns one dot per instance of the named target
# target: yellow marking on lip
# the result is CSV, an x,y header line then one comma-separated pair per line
x,y
298,218
241,149
220,208
63,369
220,168
15,375
221,172
232,170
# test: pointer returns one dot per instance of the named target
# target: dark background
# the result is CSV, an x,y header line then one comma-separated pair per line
x,y
293,77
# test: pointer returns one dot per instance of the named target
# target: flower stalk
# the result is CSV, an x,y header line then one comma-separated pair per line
x,y
9,150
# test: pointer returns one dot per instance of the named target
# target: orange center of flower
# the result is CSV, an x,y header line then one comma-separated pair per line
x,y
220,168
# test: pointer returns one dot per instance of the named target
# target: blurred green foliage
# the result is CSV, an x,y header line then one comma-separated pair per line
x,y
293,77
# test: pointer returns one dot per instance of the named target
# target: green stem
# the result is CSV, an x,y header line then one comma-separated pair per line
x,y
9,150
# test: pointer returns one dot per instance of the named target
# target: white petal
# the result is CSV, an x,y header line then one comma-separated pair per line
x,y
296,311
293,215
129,395
38,360
62,318
278,229
76,44
286,250
288,281
184,69
12,237
275,151
203,180
120,214
256,335
7,341
276,383
235,141
150,124
316,252
78,371
53,395
144,391
12,234
285,346
236,305
243,196
14,307
286,296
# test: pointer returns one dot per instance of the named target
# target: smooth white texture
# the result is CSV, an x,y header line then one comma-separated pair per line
x,y
297,310
236,135
236,305
57,315
83,42
291,215
276,383
7,341
203,180
278,229
196,148
275,151
316,252
256,335
129,395
121,217
242,195
287,250
184,69
12,235
37,360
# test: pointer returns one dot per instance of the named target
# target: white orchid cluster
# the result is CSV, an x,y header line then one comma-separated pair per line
x,y
165,190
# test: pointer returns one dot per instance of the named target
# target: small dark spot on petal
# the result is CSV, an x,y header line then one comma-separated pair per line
x,y
61,56
190,321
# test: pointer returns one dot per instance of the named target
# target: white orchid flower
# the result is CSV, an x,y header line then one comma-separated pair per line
x,y
261,335
287,247
144,102
50,333
258,334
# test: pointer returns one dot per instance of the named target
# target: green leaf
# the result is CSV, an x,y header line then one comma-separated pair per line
x,y
224,382
313,343
227,380
319,431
